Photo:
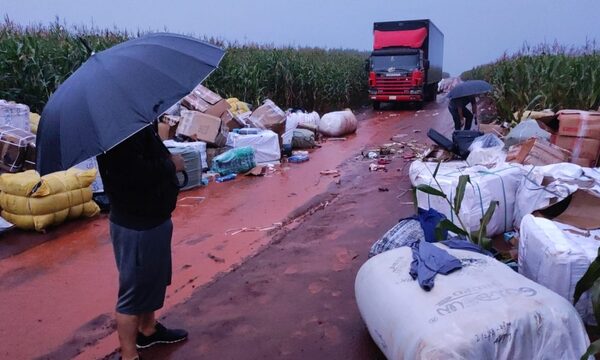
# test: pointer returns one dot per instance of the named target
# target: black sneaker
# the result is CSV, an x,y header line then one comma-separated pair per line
x,y
161,336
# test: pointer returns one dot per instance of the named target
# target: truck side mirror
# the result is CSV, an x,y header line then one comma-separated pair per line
x,y
426,64
367,65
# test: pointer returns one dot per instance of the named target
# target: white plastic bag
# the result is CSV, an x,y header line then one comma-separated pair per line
x,y
15,115
556,258
199,146
483,311
338,123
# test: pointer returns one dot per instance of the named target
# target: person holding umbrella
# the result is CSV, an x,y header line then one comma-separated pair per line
x,y
462,95
458,109
108,108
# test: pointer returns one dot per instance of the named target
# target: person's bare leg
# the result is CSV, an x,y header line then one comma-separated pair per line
x,y
127,328
147,323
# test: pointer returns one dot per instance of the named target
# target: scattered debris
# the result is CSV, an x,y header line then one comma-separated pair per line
x,y
336,139
335,173
416,131
252,229
375,167
383,189
215,258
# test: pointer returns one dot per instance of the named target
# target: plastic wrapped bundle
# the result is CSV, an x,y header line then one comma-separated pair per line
x,y
33,202
234,161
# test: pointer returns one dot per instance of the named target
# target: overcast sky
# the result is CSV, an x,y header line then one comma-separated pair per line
x,y
476,31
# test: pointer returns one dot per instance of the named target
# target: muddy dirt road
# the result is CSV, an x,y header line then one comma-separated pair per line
x,y
284,293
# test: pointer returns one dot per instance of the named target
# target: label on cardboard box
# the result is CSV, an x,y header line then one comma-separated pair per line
x,y
579,147
579,123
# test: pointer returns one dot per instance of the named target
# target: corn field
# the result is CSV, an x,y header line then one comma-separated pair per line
x,y
543,77
34,60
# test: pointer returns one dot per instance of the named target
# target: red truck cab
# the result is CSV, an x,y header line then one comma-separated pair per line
x,y
406,62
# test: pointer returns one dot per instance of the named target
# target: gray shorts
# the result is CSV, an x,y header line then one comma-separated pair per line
x,y
144,264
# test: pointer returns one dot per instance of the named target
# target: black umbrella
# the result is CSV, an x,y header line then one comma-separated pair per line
x,y
118,92
469,88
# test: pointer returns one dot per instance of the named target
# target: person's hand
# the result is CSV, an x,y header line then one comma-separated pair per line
x,y
178,161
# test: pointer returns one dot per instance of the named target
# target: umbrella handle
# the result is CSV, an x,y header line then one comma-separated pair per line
x,y
186,179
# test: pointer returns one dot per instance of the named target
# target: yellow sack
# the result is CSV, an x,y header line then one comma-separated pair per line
x,y
41,222
21,184
23,205
237,106
34,121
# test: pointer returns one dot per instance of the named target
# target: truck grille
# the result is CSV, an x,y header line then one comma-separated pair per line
x,y
393,85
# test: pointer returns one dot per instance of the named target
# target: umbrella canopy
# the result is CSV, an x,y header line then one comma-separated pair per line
x,y
116,93
469,88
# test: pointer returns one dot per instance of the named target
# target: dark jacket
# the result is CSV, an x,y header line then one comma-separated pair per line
x,y
140,181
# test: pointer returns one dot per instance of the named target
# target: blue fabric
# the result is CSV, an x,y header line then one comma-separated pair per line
x,y
428,261
429,219
464,244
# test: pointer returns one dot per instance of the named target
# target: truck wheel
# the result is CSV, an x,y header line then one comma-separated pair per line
x,y
376,105
432,92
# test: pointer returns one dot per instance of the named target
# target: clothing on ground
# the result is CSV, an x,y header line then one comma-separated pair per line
x,y
143,259
428,261
429,220
403,233
464,244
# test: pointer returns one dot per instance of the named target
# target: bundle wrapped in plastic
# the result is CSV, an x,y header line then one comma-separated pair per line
x,y
338,123
234,161
33,202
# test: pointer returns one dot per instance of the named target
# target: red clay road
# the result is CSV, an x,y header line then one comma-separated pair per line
x,y
285,293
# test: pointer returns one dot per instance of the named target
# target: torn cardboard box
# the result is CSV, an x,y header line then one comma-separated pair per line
x,y
579,123
202,127
578,209
205,101
269,116
495,129
536,152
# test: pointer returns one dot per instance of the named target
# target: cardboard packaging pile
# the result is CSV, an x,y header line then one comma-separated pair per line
x,y
579,132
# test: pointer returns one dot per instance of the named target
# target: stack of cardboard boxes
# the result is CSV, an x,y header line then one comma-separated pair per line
x,y
579,132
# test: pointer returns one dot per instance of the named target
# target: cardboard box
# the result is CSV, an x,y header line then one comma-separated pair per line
x,y
30,157
584,162
13,147
202,127
205,101
166,131
578,146
230,121
579,123
268,116
537,152
495,129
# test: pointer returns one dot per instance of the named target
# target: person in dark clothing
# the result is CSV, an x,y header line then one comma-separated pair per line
x,y
139,177
458,109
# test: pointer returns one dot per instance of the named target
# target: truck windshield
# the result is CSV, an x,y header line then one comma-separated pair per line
x,y
392,63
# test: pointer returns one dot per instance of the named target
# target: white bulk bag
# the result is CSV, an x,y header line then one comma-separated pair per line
x,y
499,183
265,145
483,311
338,123
557,259
532,195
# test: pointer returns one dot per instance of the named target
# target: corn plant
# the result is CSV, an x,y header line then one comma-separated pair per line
x,y
479,236
35,60
549,76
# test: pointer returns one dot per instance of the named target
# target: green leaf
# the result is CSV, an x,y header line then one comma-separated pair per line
x,y
485,242
437,167
595,297
588,279
449,225
485,220
593,349
430,190
460,192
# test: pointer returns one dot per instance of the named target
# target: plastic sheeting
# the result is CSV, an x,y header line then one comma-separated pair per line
x,y
97,185
265,145
532,195
483,311
556,256
499,183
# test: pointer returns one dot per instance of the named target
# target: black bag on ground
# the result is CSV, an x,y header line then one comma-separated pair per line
x,y
462,139
441,140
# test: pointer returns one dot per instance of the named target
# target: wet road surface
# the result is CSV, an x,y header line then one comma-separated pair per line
x,y
283,293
